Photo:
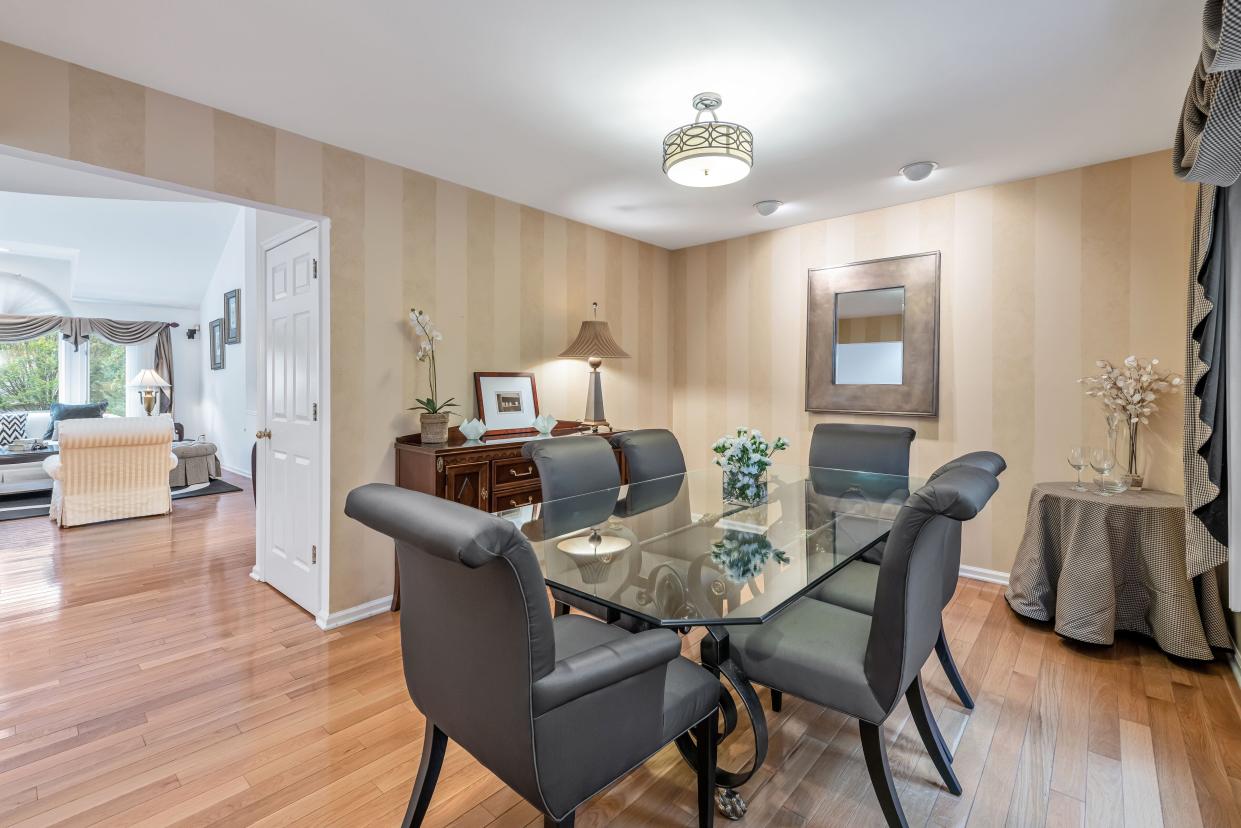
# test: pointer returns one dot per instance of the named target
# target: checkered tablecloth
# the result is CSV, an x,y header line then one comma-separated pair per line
x,y
1097,564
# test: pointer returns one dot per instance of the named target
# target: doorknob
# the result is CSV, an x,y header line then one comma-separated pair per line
x,y
266,432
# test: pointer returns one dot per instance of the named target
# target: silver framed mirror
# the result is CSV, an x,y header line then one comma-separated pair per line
x,y
872,337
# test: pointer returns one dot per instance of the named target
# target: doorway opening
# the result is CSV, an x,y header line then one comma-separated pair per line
x,y
238,293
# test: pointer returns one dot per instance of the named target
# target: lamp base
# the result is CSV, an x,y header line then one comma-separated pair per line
x,y
149,396
595,417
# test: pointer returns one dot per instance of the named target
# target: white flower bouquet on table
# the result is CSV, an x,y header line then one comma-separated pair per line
x,y
745,458
1130,392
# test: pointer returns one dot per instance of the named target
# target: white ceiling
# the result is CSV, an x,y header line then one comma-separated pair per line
x,y
562,104
119,250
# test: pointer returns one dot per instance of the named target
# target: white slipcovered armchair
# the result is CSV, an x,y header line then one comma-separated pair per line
x,y
111,468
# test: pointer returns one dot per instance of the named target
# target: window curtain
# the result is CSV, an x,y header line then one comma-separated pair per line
x,y
1207,151
76,329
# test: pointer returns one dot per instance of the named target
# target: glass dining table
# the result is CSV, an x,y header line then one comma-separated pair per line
x,y
673,552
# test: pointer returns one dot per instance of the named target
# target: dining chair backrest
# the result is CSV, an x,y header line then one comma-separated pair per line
x,y
867,448
476,630
650,453
994,465
570,466
908,598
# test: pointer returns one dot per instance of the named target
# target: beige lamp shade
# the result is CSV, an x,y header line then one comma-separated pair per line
x,y
147,378
594,340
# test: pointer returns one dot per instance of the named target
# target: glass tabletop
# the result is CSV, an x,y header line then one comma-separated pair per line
x,y
675,553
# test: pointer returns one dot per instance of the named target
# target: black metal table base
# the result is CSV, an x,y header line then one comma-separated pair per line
x,y
715,657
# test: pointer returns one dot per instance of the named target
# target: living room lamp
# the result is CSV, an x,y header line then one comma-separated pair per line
x,y
594,344
149,382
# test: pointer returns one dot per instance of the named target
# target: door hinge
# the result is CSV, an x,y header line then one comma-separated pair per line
x,y
314,268
314,412
314,554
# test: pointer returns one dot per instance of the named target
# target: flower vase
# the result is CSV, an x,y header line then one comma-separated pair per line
x,y
1132,476
743,489
434,428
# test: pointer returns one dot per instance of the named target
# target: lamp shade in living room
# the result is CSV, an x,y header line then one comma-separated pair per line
x,y
148,381
594,343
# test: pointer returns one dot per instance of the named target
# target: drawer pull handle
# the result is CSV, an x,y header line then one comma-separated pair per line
x,y
513,504
529,472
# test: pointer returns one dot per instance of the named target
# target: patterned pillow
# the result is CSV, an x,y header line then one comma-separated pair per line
x,y
12,427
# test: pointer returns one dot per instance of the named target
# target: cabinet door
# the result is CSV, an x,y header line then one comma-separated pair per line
x,y
468,484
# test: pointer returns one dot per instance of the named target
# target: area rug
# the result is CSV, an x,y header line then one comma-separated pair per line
x,y
38,504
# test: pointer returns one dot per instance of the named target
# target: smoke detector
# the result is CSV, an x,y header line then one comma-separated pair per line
x,y
766,208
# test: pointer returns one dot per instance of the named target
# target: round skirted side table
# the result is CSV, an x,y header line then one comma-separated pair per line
x,y
1097,564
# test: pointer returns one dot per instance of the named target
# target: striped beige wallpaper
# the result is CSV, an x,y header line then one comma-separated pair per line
x,y
1039,279
507,284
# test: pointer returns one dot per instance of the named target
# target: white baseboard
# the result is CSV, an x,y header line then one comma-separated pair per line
x,y
238,472
332,620
991,576
1235,663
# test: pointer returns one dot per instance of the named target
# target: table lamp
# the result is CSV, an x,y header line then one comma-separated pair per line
x,y
149,382
594,343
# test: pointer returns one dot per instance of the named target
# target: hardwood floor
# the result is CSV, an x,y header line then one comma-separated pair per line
x,y
146,680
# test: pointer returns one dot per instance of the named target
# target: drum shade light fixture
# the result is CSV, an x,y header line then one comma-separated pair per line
x,y
708,153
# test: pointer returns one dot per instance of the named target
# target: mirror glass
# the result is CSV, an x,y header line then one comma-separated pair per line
x,y
870,337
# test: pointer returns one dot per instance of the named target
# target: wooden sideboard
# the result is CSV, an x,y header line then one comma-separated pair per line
x,y
491,475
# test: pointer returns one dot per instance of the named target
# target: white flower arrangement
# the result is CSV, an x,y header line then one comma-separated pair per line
x,y
1130,392
428,335
745,458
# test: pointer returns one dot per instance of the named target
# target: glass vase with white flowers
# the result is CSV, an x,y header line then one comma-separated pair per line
x,y
434,414
745,458
1128,392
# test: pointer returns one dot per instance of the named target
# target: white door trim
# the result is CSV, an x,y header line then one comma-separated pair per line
x,y
325,409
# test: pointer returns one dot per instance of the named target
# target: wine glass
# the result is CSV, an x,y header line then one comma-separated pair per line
x,y
1077,459
1102,460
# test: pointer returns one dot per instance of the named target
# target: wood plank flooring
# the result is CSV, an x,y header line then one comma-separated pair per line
x,y
146,680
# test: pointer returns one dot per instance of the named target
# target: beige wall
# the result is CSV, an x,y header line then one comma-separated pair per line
x,y
1039,279
507,284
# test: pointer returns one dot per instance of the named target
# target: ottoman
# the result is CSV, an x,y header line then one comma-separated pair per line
x,y
196,463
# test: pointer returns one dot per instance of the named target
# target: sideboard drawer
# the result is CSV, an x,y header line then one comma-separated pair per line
x,y
516,498
517,471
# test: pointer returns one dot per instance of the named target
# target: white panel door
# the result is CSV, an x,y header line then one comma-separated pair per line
x,y
291,490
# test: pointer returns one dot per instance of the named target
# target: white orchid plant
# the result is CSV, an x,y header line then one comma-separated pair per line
x,y
745,458
428,335
1130,391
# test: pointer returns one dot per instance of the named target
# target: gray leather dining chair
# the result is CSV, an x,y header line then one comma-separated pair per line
x,y
854,587
860,664
557,708
650,453
570,467
867,448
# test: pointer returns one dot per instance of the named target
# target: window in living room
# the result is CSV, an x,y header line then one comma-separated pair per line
x,y
107,374
30,374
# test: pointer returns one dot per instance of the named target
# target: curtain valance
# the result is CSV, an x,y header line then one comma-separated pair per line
x,y
75,329
1207,148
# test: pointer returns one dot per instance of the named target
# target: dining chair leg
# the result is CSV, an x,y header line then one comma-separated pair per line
x,y
876,754
434,742
705,735
931,737
950,668
567,822
777,701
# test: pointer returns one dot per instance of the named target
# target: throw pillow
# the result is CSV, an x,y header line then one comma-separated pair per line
x,y
12,427
68,411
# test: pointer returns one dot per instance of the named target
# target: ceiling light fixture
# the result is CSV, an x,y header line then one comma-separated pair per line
x,y
766,208
918,170
711,153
